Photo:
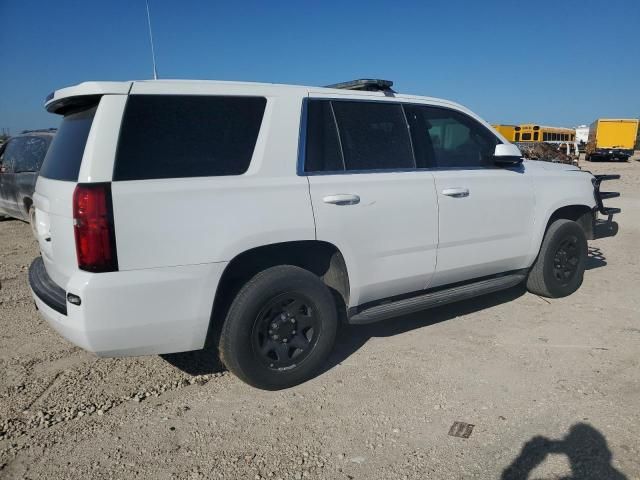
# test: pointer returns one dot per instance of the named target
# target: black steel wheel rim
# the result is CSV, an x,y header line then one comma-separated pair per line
x,y
566,260
285,331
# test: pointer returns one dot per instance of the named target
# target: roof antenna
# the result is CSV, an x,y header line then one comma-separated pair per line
x,y
153,54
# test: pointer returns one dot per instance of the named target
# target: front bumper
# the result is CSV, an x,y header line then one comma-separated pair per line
x,y
607,228
138,312
600,196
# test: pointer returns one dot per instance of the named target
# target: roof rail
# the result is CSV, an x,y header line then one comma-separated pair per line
x,y
365,84
39,130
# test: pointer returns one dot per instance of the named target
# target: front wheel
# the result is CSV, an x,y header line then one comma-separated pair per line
x,y
559,269
280,328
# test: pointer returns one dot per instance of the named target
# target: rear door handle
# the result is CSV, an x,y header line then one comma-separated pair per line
x,y
456,192
342,199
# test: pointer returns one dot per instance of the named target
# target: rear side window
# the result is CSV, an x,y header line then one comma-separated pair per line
x,y
373,135
177,136
64,157
323,152
356,136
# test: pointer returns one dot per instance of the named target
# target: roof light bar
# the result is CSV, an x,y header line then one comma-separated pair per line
x,y
365,84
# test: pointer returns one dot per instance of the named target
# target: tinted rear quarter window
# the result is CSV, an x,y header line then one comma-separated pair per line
x,y
177,136
64,156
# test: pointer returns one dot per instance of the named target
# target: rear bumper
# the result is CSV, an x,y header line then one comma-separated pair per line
x,y
140,312
612,153
45,289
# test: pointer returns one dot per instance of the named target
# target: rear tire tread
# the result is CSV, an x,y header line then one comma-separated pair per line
x,y
233,353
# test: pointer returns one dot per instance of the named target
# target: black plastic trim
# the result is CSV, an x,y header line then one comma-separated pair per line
x,y
436,298
365,84
599,196
45,289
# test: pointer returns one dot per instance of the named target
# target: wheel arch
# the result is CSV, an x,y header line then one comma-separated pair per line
x,y
321,258
26,203
583,215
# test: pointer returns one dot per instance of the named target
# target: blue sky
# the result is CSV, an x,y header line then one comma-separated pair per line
x,y
558,62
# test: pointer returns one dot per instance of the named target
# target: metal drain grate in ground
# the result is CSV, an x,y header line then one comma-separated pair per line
x,y
461,429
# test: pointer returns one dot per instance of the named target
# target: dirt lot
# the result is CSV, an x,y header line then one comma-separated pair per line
x,y
551,387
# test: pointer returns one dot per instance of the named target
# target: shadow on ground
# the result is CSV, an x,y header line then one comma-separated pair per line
x,y
585,447
198,362
595,258
352,337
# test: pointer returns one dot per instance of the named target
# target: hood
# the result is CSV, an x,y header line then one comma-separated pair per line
x,y
558,167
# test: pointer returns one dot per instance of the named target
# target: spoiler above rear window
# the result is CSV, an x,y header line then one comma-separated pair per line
x,y
84,94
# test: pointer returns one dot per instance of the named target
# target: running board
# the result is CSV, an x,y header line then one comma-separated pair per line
x,y
435,299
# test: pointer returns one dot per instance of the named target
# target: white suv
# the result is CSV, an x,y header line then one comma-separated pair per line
x,y
169,212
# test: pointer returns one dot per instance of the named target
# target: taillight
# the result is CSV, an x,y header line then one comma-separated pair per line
x,y
93,228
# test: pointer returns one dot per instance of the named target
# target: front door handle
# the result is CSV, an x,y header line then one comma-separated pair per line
x,y
342,199
456,192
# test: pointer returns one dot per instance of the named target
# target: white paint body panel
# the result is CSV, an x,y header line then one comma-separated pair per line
x,y
160,310
175,236
389,238
488,231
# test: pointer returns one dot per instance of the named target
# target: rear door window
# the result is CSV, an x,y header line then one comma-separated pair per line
x,y
177,136
373,136
323,152
64,157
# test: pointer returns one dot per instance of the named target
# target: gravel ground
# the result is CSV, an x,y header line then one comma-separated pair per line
x,y
551,387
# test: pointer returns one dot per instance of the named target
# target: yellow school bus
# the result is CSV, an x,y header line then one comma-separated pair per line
x,y
507,131
529,132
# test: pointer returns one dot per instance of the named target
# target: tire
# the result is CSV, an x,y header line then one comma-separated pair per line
x,y
266,339
559,269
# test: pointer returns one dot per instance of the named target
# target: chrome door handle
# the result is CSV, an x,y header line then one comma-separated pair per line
x,y
342,199
456,192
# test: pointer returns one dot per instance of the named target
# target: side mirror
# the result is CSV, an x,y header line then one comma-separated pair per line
x,y
2,168
507,154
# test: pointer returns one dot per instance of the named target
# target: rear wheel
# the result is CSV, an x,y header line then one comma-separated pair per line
x,y
559,269
280,328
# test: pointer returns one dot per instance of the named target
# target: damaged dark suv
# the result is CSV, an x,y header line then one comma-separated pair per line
x,y
20,161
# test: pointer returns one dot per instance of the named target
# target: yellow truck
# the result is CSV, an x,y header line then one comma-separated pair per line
x,y
612,139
